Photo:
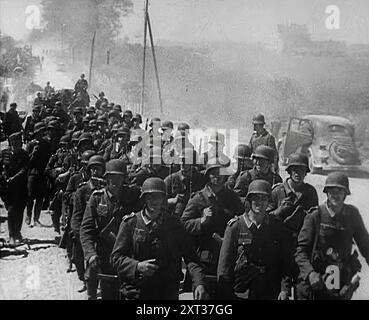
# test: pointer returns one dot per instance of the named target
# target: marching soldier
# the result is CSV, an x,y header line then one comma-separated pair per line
x,y
136,128
242,154
95,171
12,122
182,184
14,164
39,151
328,268
205,218
30,123
81,84
101,100
118,149
255,260
262,137
100,224
149,247
263,158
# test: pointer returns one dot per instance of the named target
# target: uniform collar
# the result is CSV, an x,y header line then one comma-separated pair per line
x,y
331,213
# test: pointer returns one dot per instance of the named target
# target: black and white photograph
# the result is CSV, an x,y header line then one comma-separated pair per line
x,y
184,150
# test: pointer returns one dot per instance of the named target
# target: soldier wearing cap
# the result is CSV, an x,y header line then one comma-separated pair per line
x,y
255,260
262,137
149,248
206,215
30,123
328,267
182,184
263,158
216,143
104,212
242,154
13,168
12,122
39,151
95,171
81,84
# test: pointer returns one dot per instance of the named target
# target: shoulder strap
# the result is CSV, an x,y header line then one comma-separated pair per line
x,y
317,230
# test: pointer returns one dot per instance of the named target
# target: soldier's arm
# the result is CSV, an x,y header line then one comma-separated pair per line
x,y
88,230
24,167
273,203
191,217
361,235
305,243
79,207
121,256
235,203
227,262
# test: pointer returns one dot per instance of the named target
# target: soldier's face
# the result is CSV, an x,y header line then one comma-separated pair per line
x,y
154,203
261,164
258,127
186,169
216,179
114,183
259,203
297,174
336,196
96,170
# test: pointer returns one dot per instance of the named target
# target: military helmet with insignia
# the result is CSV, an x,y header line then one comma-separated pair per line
x,y
87,155
298,159
258,119
96,160
337,180
264,152
116,166
259,186
151,185
242,151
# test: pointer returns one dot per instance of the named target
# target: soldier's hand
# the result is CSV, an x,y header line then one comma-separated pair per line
x,y
201,293
147,267
94,263
283,295
207,215
316,281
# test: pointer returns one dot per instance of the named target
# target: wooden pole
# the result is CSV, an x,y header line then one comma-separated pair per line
x,y
144,59
91,59
155,64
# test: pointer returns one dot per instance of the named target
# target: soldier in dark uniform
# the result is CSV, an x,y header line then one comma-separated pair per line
x,y
81,84
263,158
91,113
149,248
182,184
118,149
262,137
136,128
95,170
113,118
12,122
100,224
30,123
206,215
101,100
242,154
39,151
76,124
328,268
13,166
255,260
61,114
127,118
101,135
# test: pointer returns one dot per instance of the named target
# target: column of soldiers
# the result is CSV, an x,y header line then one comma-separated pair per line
x,y
134,206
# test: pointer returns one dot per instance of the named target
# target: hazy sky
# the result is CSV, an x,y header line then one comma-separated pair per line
x,y
218,20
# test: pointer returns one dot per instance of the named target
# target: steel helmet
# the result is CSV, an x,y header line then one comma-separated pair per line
x,y
167,125
87,155
116,166
183,126
242,151
217,137
258,119
138,117
298,159
337,180
259,186
85,137
39,126
96,160
264,152
153,185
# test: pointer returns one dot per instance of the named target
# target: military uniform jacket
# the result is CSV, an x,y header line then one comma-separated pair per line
x,y
336,232
167,243
39,154
264,139
225,205
138,177
81,198
246,177
99,211
265,255
74,181
29,127
57,161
